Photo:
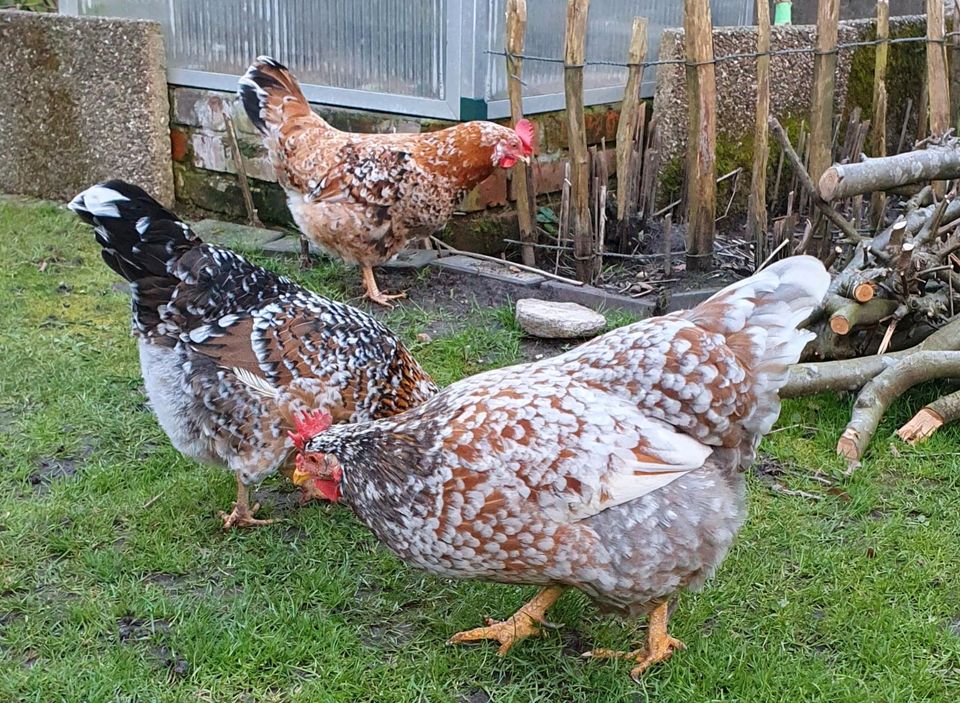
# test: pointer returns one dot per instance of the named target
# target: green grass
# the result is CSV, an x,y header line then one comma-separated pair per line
x,y
853,597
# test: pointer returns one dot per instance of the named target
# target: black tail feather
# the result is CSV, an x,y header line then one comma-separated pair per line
x,y
140,237
141,240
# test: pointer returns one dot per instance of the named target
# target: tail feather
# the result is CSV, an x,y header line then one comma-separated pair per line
x,y
141,240
759,317
271,96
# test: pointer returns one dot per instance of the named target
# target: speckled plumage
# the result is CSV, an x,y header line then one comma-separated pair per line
x,y
231,351
614,468
363,196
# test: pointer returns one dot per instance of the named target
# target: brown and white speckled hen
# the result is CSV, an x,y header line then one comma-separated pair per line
x,y
614,468
231,352
364,196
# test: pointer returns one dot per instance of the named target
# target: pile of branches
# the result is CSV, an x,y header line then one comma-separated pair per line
x,y
891,318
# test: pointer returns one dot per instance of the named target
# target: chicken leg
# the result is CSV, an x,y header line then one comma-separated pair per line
x,y
242,514
373,291
660,645
520,625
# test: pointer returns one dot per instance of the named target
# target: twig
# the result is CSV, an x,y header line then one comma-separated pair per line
x,y
152,500
483,257
252,216
805,180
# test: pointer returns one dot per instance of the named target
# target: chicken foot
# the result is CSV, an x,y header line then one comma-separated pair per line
x,y
373,291
243,513
520,625
660,645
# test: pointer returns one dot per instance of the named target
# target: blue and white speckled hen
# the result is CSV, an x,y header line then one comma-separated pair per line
x,y
231,353
614,468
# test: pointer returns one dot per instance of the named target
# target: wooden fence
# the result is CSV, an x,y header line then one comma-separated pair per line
x,y
582,227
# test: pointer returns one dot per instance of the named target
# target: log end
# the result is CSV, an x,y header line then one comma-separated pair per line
x,y
840,325
828,184
848,447
864,292
921,426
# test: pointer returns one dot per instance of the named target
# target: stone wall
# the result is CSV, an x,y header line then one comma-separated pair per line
x,y
791,86
85,99
205,172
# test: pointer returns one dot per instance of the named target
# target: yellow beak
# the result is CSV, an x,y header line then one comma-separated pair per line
x,y
300,477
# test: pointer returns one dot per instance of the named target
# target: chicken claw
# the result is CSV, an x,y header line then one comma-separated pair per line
x,y
373,291
660,645
242,514
520,625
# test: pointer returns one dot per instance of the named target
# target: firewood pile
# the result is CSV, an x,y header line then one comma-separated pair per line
x,y
891,318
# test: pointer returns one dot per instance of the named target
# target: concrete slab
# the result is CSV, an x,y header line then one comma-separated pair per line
x,y
86,100
498,272
231,235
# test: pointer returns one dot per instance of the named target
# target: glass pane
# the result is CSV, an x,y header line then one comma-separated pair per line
x,y
608,38
383,46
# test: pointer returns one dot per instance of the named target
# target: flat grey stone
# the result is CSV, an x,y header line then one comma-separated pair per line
x,y
588,295
230,235
499,272
553,320
412,259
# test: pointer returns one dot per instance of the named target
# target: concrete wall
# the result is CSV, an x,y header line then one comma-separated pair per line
x,y
790,88
84,99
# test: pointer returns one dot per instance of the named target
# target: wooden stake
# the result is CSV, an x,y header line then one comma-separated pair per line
x,y
574,54
757,200
522,173
821,111
253,217
701,134
954,64
938,88
628,127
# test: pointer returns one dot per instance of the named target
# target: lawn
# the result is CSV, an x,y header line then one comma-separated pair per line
x,y
117,582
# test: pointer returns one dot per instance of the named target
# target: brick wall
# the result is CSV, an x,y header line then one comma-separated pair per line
x,y
205,172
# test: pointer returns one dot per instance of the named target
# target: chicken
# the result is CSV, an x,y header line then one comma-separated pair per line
x,y
364,196
231,353
614,468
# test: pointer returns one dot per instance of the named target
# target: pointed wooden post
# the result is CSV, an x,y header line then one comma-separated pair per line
x,y
522,173
628,125
757,200
879,142
821,111
574,54
938,88
701,134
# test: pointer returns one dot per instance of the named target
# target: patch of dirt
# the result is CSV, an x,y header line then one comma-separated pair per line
x,y
953,627
474,695
132,629
388,635
170,583
177,666
62,466
766,467
574,643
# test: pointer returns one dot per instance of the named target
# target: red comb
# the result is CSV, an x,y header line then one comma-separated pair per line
x,y
524,130
308,425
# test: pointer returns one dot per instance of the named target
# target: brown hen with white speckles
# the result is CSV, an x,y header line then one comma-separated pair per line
x,y
614,468
364,196
232,352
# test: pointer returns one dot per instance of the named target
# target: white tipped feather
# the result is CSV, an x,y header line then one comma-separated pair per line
x,y
258,385
98,201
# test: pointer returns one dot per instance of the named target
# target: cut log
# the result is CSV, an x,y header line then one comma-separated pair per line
x,y
877,395
855,314
844,180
